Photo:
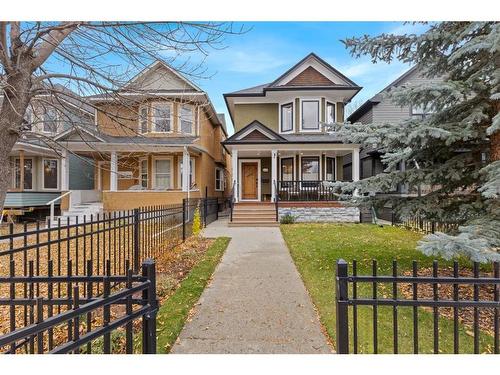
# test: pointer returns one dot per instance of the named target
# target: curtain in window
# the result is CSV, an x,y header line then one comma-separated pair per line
x,y
162,174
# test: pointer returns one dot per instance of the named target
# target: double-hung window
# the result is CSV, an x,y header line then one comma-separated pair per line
x,y
50,174
310,168
162,117
219,179
143,119
27,169
187,119
143,171
50,120
330,169
287,117
330,113
163,173
310,115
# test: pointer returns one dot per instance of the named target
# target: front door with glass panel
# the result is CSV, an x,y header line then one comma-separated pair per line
x,y
250,180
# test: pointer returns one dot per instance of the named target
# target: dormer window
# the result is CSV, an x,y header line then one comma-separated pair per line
x,y
162,118
287,117
143,119
310,115
187,119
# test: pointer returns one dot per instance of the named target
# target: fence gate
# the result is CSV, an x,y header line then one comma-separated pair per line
x,y
375,292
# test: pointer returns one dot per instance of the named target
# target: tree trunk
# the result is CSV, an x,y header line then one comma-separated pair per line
x,y
16,99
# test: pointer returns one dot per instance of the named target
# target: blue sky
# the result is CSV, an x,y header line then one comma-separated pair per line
x,y
268,49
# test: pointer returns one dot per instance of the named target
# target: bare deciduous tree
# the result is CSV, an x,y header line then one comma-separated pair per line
x,y
43,59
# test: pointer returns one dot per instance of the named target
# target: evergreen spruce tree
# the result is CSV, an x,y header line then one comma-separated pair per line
x,y
455,149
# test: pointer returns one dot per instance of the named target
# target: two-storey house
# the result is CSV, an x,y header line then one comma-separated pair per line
x,y
157,140
40,170
283,153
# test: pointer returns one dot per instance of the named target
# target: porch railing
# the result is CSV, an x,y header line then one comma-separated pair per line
x,y
305,190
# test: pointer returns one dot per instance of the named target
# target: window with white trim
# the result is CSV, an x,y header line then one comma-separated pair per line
x,y
50,120
143,119
28,174
287,117
310,115
310,168
187,119
191,172
330,113
219,179
330,169
163,173
143,173
50,173
162,117
420,112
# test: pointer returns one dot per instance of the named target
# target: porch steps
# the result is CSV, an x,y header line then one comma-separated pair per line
x,y
254,215
81,211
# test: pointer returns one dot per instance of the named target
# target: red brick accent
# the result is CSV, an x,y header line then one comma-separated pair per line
x,y
310,77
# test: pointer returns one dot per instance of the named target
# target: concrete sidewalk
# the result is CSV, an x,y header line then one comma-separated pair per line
x,y
256,302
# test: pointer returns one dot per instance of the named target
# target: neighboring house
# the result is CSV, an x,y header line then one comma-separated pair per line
x,y
381,109
40,169
157,141
281,150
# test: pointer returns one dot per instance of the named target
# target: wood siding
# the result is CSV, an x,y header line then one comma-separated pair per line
x,y
310,77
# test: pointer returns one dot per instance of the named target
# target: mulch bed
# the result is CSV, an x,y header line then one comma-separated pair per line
x,y
466,292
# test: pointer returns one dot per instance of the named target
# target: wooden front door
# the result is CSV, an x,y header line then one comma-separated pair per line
x,y
250,180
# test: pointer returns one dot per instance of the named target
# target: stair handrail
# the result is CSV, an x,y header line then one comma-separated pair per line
x,y
51,203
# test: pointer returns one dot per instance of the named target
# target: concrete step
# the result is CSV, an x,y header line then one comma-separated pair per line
x,y
253,224
254,217
253,210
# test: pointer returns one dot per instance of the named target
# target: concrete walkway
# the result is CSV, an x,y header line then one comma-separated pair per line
x,y
256,302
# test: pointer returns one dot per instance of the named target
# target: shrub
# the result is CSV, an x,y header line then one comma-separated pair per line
x,y
197,222
287,219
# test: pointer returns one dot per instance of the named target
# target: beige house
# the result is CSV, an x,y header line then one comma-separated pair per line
x,y
282,151
155,141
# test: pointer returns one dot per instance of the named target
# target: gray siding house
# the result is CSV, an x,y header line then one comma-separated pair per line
x,y
381,109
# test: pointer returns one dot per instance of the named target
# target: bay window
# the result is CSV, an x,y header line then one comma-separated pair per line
x,y
162,117
310,114
50,174
287,117
27,169
163,173
187,119
330,113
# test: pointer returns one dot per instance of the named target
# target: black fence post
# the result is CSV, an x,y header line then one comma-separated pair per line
x,y
205,209
342,298
183,220
149,319
136,240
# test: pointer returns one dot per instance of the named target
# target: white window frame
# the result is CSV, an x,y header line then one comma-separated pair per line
x,y
58,174
318,130
153,117
292,102
153,169
299,167
22,168
294,167
56,121
328,102
222,179
141,160
193,120
140,119
192,171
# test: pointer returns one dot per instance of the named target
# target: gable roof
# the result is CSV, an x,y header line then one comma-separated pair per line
x,y
366,106
268,135
305,66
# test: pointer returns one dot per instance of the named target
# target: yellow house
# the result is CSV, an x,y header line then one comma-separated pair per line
x,y
156,141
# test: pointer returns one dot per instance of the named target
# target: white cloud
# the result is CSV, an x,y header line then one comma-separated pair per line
x,y
247,61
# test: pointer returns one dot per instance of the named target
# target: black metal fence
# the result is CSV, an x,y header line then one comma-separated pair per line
x,y
89,320
423,225
42,265
351,296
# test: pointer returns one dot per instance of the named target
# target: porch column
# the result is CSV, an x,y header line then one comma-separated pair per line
x,y
274,173
64,171
234,161
113,172
185,170
355,167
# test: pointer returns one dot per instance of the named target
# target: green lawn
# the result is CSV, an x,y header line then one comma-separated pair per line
x,y
315,249
174,311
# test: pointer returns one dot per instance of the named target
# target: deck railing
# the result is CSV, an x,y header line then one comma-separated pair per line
x,y
306,190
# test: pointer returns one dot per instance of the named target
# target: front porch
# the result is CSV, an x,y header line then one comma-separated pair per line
x,y
286,175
